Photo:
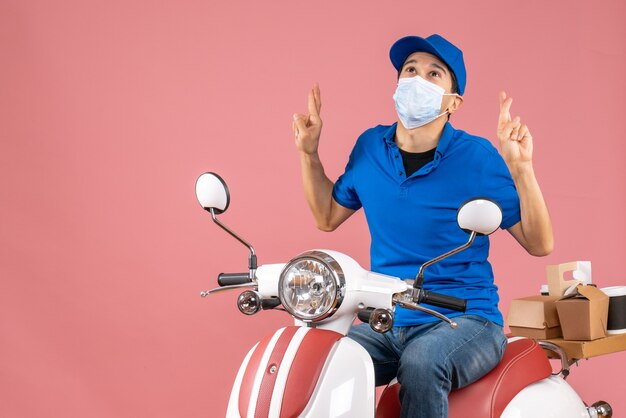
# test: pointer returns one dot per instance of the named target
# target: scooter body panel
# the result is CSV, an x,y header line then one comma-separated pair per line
x,y
549,398
233,402
344,387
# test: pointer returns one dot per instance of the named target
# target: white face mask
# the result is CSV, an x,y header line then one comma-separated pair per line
x,y
418,101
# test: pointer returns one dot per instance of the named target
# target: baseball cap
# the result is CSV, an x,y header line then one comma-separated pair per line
x,y
436,45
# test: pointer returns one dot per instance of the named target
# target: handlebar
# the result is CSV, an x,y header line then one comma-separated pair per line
x,y
365,314
443,301
270,303
229,279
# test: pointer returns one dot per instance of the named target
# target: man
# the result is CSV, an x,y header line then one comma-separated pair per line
x,y
410,178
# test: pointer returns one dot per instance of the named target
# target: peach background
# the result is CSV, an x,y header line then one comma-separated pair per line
x,y
109,110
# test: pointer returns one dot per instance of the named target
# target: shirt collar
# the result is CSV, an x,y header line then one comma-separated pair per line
x,y
442,145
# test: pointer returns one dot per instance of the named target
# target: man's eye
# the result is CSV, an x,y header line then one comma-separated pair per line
x,y
409,70
435,74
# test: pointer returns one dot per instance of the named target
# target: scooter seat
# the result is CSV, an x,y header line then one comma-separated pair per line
x,y
523,363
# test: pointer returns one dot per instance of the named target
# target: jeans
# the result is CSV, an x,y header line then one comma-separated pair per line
x,y
432,359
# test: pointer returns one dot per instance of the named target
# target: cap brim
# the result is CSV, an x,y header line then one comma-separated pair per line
x,y
404,47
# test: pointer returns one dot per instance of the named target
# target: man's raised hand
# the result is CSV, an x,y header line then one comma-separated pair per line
x,y
307,128
516,141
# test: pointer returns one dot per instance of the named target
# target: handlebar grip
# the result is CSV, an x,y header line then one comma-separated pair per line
x,y
270,303
443,301
365,314
228,279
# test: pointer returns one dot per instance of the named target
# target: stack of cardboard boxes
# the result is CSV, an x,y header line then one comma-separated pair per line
x,y
573,315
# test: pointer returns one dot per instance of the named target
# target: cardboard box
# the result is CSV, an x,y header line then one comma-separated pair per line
x,y
534,317
557,285
583,314
587,349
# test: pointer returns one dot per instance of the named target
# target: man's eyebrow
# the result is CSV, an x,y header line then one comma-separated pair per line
x,y
434,64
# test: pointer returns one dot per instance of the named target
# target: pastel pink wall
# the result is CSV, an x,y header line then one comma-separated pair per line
x,y
110,110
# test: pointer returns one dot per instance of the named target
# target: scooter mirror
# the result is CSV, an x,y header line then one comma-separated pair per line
x,y
212,192
482,216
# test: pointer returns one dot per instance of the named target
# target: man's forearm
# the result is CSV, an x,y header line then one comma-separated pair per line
x,y
318,189
535,220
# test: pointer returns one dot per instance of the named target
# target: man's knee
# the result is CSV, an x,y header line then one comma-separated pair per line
x,y
425,368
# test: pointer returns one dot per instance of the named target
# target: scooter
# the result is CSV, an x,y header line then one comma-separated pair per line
x,y
312,370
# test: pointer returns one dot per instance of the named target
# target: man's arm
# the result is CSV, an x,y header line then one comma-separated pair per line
x,y
534,230
318,188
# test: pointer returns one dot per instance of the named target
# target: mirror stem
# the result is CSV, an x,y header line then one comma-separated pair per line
x,y
419,279
252,262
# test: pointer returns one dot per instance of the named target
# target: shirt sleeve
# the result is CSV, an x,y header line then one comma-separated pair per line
x,y
344,191
498,185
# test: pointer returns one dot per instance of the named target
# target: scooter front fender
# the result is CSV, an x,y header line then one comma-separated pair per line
x,y
304,372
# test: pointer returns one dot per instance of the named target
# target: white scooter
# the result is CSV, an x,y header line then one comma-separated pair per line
x,y
312,370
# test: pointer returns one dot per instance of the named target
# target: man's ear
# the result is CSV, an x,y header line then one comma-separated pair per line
x,y
455,104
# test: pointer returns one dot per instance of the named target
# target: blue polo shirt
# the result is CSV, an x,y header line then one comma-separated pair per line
x,y
413,220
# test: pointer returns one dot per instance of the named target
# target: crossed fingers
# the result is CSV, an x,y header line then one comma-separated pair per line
x,y
303,123
510,128
315,101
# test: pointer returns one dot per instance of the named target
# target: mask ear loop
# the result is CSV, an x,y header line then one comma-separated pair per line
x,y
448,109
440,115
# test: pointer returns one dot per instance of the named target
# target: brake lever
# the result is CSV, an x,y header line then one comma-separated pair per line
x,y
206,293
398,299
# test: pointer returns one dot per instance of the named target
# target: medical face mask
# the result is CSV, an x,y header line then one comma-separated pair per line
x,y
418,101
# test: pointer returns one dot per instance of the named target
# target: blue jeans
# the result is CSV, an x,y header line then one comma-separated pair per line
x,y
432,359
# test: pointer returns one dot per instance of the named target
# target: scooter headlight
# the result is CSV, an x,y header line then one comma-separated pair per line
x,y
311,286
